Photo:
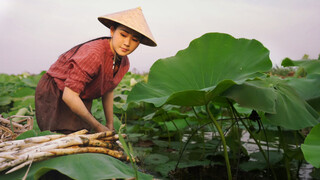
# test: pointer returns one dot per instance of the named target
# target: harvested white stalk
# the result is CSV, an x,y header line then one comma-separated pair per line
x,y
28,162
13,148
38,139
7,153
100,143
2,160
55,144
113,138
24,158
59,152
68,151
20,153
8,156
83,131
4,156
19,166
99,135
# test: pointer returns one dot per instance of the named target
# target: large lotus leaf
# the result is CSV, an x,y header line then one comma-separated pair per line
x,y
210,65
290,111
256,94
309,66
308,88
311,147
81,167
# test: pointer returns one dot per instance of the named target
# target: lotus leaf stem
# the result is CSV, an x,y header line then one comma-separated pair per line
x,y
237,116
195,112
226,157
261,150
285,153
185,145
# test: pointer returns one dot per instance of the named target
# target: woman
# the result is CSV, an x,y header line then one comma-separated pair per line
x,y
88,71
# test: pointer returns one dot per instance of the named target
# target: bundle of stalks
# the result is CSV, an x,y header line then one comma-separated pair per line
x,y
13,126
19,153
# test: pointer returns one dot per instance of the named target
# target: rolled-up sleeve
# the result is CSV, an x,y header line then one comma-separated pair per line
x,y
82,69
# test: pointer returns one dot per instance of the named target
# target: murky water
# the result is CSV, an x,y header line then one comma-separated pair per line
x,y
250,145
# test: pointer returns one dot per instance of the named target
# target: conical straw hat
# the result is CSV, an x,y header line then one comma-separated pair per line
x,y
133,19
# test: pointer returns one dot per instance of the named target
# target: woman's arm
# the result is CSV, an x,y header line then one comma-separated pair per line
x,y
77,106
107,101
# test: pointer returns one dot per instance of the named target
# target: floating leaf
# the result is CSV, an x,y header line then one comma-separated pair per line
x,y
259,163
155,159
164,169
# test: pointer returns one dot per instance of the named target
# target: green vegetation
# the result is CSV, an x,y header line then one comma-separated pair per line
x,y
216,109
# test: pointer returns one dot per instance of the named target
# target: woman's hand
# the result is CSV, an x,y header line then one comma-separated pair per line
x,y
102,128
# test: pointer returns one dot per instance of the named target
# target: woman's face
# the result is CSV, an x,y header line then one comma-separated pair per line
x,y
124,40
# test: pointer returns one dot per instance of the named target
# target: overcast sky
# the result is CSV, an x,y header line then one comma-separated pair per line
x,y
35,32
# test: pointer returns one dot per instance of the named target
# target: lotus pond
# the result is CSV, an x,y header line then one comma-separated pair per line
x,y
215,110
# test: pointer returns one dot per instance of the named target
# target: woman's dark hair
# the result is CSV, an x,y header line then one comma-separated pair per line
x,y
115,25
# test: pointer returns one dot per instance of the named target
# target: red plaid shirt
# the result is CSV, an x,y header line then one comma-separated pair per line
x,y
89,71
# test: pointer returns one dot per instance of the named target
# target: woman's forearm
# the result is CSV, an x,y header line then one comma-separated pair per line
x,y
77,106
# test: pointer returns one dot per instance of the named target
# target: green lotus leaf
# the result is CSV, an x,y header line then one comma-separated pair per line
x,y
32,80
309,66
308,89
5,100
164,169
196,75
259,163
79,166
176,124
24,91
255,94
311,147
4,78
155,159
290,110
